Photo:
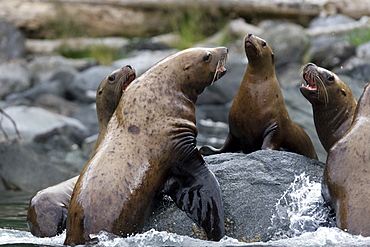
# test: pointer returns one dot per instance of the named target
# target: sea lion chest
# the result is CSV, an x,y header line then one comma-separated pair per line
x,y
257,107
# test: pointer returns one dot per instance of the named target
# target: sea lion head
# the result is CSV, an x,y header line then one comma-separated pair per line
x,y
198,67
117,81
258,51
323,85
110,91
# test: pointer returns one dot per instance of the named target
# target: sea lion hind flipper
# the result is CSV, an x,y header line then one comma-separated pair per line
x,y
197,192
231,145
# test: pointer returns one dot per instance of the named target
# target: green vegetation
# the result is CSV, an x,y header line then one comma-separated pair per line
x,y
359,36
103,54
194,24
63,26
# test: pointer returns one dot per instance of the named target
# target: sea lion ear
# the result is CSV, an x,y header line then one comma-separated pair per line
x,y
273,58
186,67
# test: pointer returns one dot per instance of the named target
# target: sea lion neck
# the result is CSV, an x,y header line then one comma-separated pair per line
x,y
258,75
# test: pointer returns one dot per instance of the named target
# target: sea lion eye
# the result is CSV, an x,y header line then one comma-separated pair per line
x,y
111,78
263,43
330,78
207,57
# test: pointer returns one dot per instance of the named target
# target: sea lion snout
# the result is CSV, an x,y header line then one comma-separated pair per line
x,y
248,40
309,66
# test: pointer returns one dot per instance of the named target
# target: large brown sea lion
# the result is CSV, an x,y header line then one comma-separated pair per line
x,y
151,141
258,118
333,103
346,180
47,211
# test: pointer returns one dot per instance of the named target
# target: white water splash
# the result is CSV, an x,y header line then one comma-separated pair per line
x,y
298,221
10,236
301,209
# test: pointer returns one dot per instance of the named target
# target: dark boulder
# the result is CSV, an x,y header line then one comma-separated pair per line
x,y
251,186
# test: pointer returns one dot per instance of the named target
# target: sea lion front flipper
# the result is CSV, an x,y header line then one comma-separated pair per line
x,y
270,138
195,190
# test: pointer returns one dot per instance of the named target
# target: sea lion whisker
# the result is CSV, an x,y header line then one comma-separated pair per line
x,y
219,68
215,75
322,85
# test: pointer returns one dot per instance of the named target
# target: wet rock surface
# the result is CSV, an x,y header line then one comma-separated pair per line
x,y
251,186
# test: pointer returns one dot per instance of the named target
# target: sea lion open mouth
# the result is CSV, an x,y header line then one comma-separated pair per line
x,y
220,68
316,83
129,79
311,77
311,84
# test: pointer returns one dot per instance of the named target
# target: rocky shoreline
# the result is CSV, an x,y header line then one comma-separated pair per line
x,y
52,98
48,122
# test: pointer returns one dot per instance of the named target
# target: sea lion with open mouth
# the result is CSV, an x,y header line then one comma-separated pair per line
x,y
333,103
150,145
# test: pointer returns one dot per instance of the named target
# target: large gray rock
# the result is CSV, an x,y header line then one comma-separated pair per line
x,y
12,41
34,121
251,187
288,41
333,48
329,51
83,87
143,60
14,77
29,168
48,68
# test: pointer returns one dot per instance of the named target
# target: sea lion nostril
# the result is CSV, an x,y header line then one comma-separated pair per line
x,y
129,66
249,35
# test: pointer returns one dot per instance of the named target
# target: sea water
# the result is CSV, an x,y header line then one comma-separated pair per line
x,y
300,219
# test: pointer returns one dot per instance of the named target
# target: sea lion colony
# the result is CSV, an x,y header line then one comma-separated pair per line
x,y
177,81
